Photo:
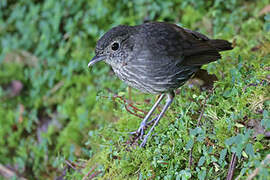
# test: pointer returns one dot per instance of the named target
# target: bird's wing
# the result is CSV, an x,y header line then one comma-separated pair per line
x,y
190,47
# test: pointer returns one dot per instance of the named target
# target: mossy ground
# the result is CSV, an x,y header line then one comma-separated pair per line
x,y
66,122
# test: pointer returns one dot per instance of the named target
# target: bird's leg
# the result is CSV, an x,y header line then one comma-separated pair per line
x,y
150,122
144,122
169,100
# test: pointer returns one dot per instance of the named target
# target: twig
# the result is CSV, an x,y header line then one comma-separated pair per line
x,y
53,90
63,174
257,170
56,87
127,105
70,165
190,159
90,171
253,84
137,109
232,167
128,110
7,173
95,174
202,112
21,111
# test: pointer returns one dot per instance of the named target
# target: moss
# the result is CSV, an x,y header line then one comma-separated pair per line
x,y
66,113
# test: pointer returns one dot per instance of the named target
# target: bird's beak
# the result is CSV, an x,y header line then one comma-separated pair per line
x,y
95,59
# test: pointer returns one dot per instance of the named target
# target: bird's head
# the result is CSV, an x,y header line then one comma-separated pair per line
x,y
114,46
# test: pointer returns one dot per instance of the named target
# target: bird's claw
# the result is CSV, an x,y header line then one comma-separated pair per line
x,y
139,132
144,141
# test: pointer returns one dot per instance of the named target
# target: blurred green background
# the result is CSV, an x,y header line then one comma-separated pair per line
x,y
58,119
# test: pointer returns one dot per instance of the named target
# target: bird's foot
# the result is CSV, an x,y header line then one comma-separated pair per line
x,y
144,141
140,131
143,126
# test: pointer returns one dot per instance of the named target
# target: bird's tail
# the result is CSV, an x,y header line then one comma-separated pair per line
x,y
220,44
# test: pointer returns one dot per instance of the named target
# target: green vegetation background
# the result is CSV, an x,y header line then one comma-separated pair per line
x,y
54,110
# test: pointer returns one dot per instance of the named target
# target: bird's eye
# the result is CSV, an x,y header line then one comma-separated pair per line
x,y
115,46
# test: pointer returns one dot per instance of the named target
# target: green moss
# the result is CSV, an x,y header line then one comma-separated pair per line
x,y
70,112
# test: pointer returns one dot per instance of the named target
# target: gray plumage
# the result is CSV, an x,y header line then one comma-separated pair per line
x,y
157,58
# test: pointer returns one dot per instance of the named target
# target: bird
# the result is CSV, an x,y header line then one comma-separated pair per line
x,y
156,58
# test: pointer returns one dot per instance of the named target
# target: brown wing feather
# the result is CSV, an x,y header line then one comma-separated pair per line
x,y
201,49
169,40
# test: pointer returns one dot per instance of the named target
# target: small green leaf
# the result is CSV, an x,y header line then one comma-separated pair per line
x,y
267,17
266,120
189,144
244,154
267,27
237,150
195,131
201,161
249,150
258,146
202,174
184,174
222,156
238,139
259,137
230,141
239,125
